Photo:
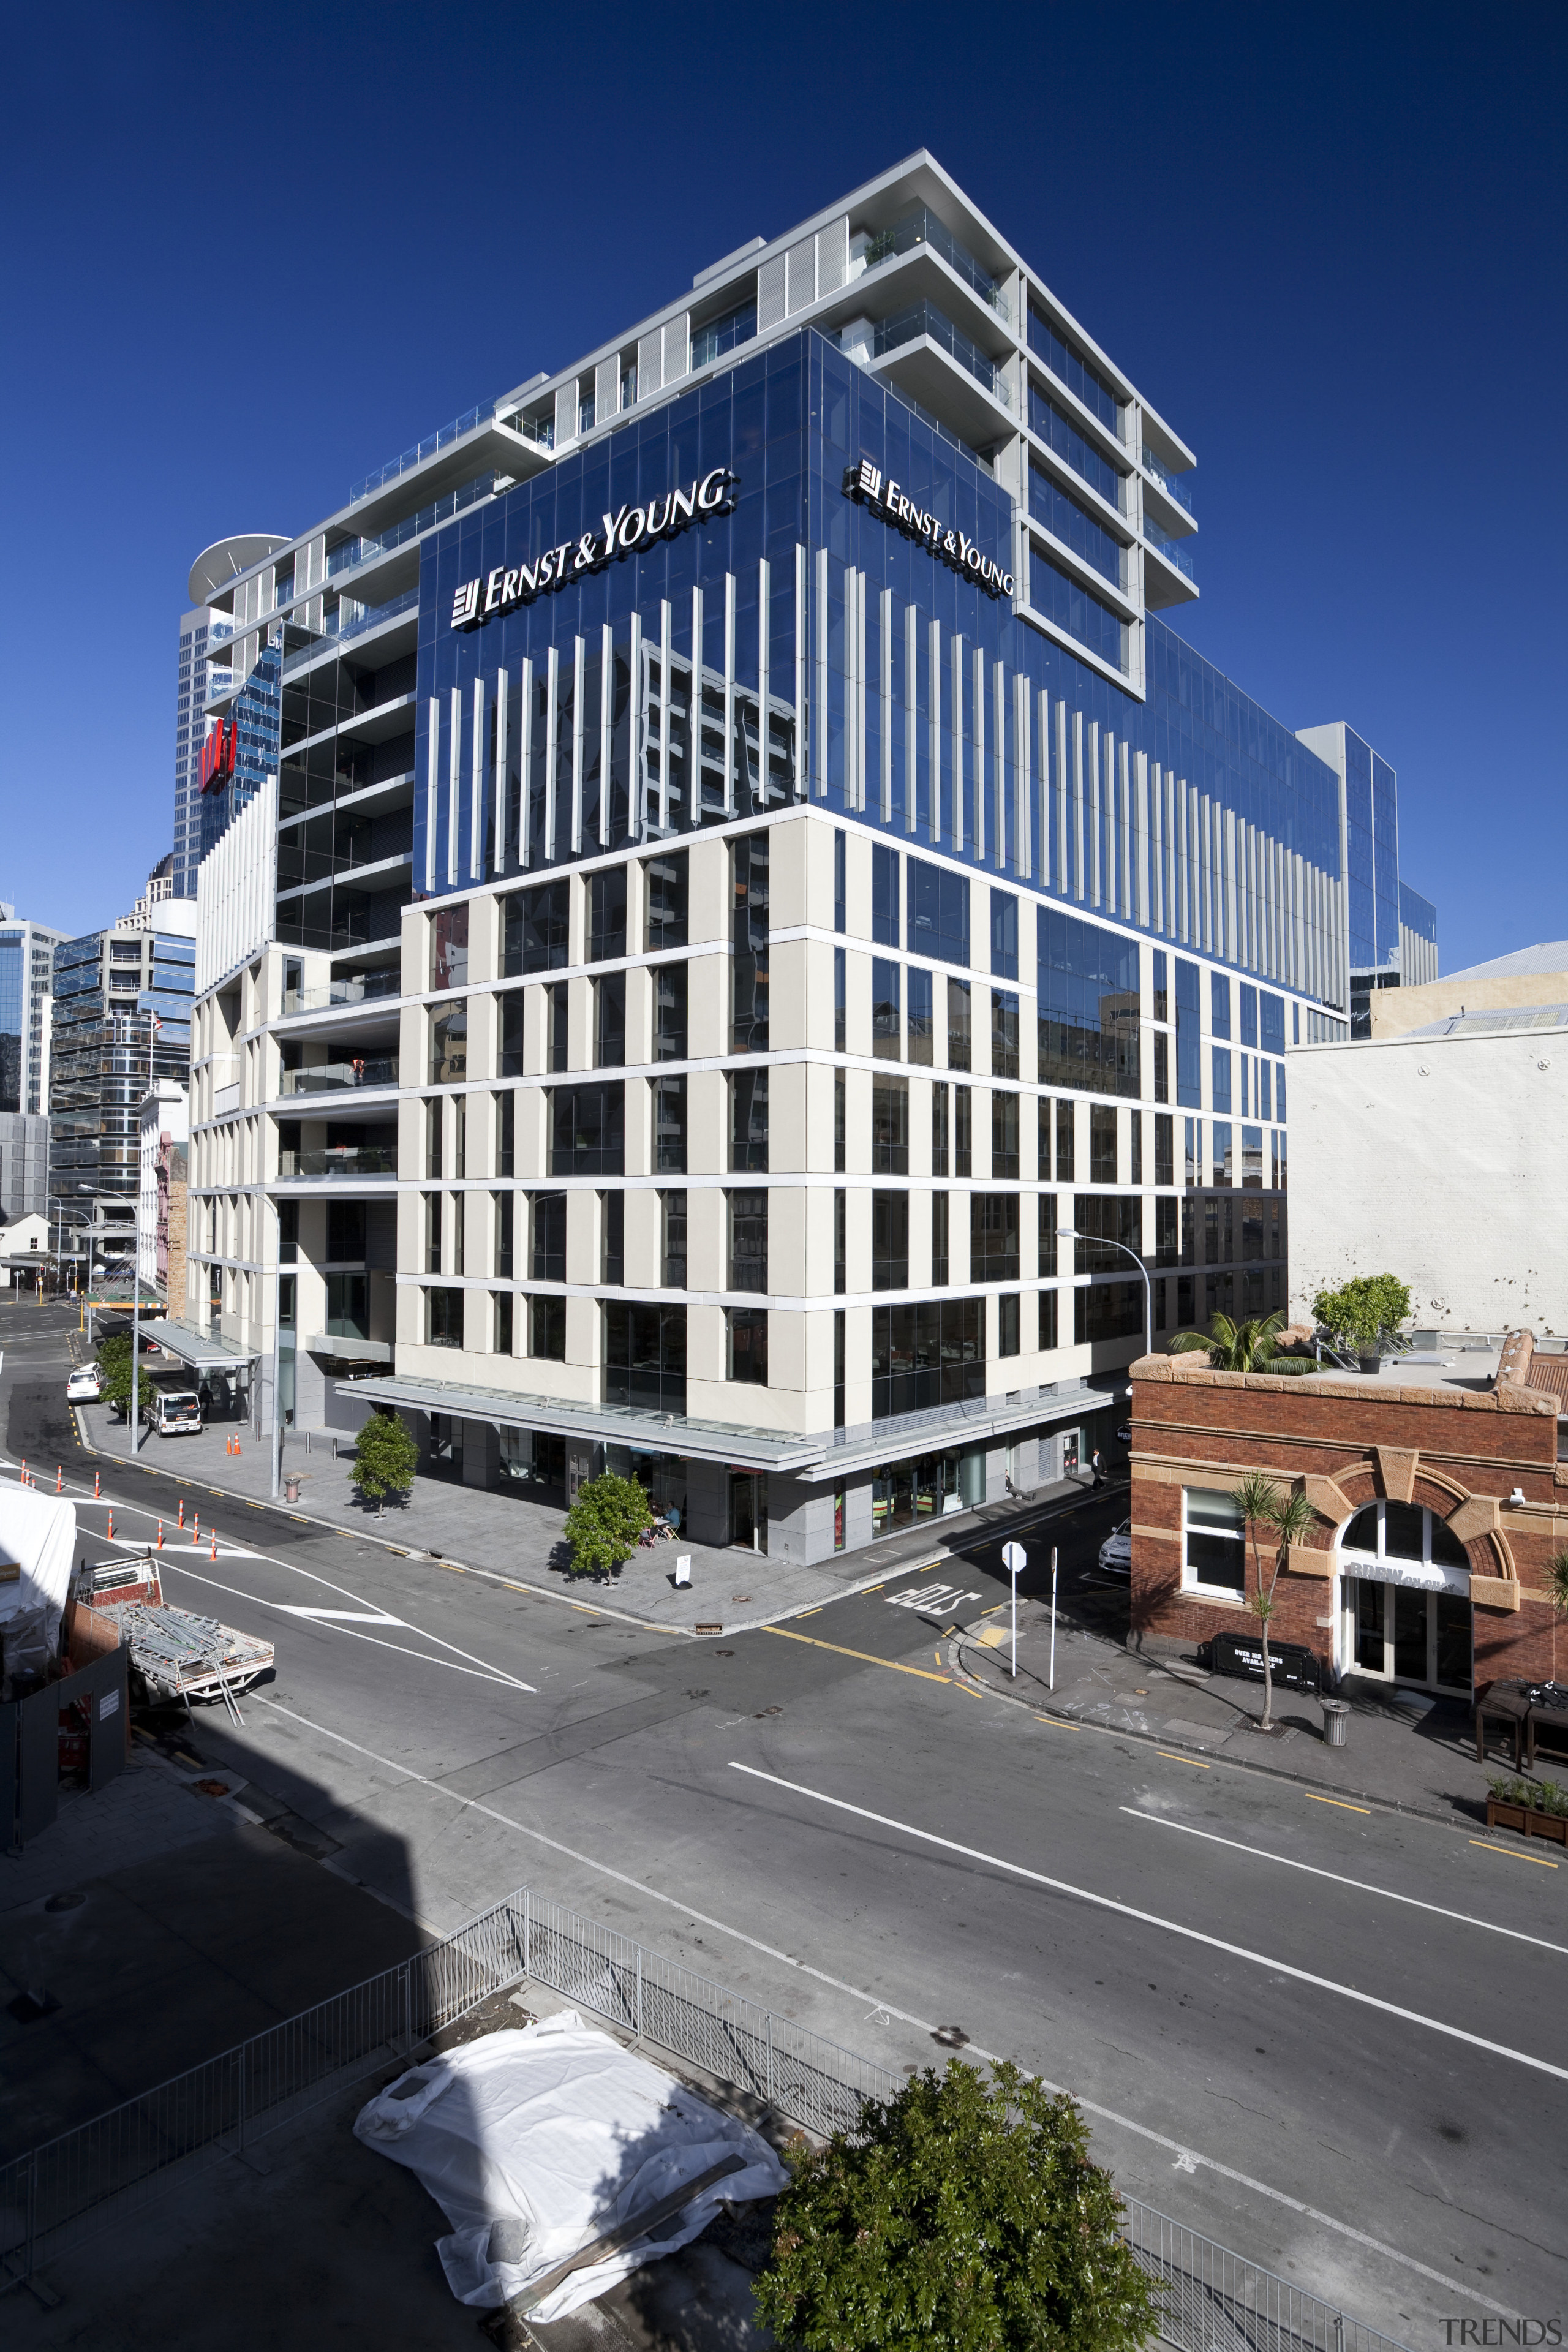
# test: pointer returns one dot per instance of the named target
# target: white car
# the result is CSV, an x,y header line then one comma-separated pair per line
x,y
1116,1551
83,1388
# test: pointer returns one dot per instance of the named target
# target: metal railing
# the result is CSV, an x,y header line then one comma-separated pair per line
x,y
338,1160
339,1077
1210,2299
421,450
925,319
1172,484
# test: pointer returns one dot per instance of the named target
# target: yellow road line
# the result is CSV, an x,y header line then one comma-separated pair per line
x,y
1193,1761
1059,1723
865,1657
1337,1800
1512,1856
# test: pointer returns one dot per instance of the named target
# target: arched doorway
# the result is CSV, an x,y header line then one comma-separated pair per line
x,y
1404,1613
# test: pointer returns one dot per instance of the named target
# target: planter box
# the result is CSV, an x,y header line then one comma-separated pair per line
x,y
1527,1821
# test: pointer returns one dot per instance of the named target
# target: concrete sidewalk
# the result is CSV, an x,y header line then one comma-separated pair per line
x,y
732,1591
1405,1750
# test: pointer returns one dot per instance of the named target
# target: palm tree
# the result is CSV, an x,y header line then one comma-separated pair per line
x,y
1286,1517
1557,1581
1248,1346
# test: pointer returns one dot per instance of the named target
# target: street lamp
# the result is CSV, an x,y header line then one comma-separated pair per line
x,y
1071,1233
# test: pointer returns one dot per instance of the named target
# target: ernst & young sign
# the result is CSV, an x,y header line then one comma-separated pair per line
x,y
509,585
865,484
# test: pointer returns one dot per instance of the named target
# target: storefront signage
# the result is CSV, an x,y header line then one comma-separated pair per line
x,y
510,585
1414,1574
865,484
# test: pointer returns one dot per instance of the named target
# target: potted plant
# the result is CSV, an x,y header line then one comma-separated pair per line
x,y
1364,1316
1533,1808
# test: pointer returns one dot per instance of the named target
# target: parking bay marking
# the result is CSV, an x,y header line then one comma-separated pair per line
x,y
1169,1927
1287,1862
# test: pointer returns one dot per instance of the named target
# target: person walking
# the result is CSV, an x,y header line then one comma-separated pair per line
x,y
1096,1469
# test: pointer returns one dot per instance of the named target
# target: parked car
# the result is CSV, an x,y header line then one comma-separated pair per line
x,y
83,1387
173,1412
1116,1551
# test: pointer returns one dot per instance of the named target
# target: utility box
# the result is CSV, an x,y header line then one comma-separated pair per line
x,y
1292,1666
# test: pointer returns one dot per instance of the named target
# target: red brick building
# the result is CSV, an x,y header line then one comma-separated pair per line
x,y
1439,1503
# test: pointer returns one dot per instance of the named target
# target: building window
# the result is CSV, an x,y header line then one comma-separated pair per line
x,y
890,1127
612,1239
1213,1542
1101,1144
1106,1217
557,1026
672,1240
1107,1310
922,1023
840,1241
958,1024
1048,1232
938,1241
938,1125
889,1241
547,1238
1008,1321
1005,1158
1162,1066
503,1322
1089,1007
1004,934
665,892
547,1328
506,1133
1004,1033
534,930
993,1237
503,1232
433,1232
886,1018
511,1032
1400,1531
840,1001
749,935
749,1122
746,1330
449,1043
444,1319
926,1356
587,1130
1047,1304
607,915
748,1221
840,878
610,1021
938,912
1222,1080
645,1356
1165,1149
1219,1004
669,993
840,1121
838,1368
720,335
884,896
669,1126
963,1131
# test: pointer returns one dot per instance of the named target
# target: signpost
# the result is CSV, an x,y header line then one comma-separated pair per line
x,y
1051,1686
1014,1560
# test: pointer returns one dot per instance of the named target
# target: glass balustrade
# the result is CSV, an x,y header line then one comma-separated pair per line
x,y
354,988
1175,550
925,319
466,423
920,227
339,1077
340,1159
1172,485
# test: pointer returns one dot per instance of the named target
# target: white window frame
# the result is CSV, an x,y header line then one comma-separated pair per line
x,y
1191,1580
1347,1559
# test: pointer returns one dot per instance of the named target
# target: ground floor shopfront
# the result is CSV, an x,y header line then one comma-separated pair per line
x,y
816,1498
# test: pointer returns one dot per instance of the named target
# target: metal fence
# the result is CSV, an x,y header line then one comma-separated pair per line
x,y
1211,2300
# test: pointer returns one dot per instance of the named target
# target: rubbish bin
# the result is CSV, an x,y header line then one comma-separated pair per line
x,y
290,1490
1336,1715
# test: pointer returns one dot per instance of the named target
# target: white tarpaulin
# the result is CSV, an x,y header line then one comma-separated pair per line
x,y
537,2141
37,1537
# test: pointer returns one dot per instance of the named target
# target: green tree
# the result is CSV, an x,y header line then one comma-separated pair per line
x,y
1557,1581
961,2215
604,1522
1251,1347
114,1372
1364,1315
385,1458
1286,1518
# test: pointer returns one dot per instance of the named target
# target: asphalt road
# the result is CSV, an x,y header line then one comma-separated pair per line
x,y
1332,2038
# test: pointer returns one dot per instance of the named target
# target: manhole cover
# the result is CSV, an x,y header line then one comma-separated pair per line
x,y
723,1654
697,1694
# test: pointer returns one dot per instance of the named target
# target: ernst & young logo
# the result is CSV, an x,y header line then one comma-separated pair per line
x,y
864,483
503,590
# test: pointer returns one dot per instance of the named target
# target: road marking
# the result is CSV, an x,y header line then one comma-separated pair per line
x,y
1337,1800
475,1667
1171,1926
905,2017
1539,1858
1261,1854
865,1657
1165,1752
946,1597
347,1616
1059,1723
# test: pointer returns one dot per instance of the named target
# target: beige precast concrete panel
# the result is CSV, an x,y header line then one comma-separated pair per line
x,y
707,1238
820,1096
790,872
708,1006
705,1348
639,1131
708,894
788,1147
644,1239
789,1217
707,1126
788,999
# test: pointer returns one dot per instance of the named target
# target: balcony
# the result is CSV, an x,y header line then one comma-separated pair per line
x,y
352,552
350,620
1175,550
924,319
352,1159
919,227
341,1078
470,419
1174,486
355,988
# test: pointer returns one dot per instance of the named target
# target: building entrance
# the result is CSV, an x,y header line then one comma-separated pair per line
x,y
749,1510
1405,1615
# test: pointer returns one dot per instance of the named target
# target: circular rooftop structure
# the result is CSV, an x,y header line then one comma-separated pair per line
x,y
226,558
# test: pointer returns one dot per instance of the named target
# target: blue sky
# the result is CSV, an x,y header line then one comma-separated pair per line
x,y
250,256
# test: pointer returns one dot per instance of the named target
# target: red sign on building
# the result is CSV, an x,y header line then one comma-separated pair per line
x,y
218,756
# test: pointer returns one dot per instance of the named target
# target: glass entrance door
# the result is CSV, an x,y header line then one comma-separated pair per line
x,y
748,1510
1397,1634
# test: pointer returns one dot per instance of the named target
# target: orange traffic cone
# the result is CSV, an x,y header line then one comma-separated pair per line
x,y
95,1485
111,1523
60,1478
160,1544
215,1544
182,1514
196,1528
237,1446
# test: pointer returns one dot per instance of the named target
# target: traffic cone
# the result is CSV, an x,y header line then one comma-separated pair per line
x,y
60,1478
95,1485
196,1528
237,1446
111,1523
215,1544
160,1543
182,1514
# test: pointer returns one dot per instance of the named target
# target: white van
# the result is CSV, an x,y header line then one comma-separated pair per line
x,y
175,1412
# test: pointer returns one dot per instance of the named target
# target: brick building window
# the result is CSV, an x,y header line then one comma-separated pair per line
x,y
1213,1542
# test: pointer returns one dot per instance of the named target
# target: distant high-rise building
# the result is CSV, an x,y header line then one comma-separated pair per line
x,y
26,959
204,671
